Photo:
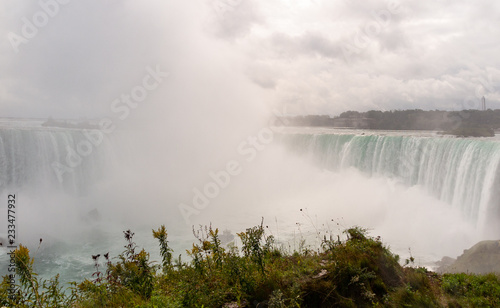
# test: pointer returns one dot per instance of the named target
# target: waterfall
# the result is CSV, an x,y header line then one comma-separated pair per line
x,y
461,172
55,158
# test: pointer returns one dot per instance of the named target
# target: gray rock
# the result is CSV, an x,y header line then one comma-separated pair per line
x,y
444,264
482,258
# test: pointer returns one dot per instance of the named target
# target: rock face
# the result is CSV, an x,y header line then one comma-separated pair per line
x,y
482,258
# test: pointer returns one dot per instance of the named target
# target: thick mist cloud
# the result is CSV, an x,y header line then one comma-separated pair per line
x,y
90,56
89,53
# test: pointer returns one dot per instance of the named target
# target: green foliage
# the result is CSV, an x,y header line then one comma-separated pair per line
x,y
360,272
252,245
420,289
30,291
471,290
468,130
408,297
93,294
165,251
130,280
357,272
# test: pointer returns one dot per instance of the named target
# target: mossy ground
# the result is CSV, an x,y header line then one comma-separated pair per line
x,y
357,272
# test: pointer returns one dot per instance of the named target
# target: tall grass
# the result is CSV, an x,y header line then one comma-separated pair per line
x,y
356,271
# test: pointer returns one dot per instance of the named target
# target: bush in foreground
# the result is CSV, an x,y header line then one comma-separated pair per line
x,y
357,272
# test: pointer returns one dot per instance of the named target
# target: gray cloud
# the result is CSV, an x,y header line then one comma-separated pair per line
x,y
308,56
234,18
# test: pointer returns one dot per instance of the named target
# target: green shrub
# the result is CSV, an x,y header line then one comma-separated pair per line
x,y
30,291
165,251
473,290
357,272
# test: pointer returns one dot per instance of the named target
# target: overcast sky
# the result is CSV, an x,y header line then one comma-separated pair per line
x,y
74,58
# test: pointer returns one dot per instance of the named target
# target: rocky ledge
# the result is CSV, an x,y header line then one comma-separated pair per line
x,y
482,258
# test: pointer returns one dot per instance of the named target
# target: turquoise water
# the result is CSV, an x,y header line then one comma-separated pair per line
x,y
462,172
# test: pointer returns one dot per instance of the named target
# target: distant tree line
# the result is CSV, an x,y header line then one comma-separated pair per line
x,y
416,119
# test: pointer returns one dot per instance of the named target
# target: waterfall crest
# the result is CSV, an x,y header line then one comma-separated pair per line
x,y
461,172
40,158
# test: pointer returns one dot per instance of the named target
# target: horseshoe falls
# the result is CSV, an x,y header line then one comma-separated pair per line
x,y
53,173
79,189
56,159
464,173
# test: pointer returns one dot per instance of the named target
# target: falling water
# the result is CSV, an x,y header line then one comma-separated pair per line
x,y
461,172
